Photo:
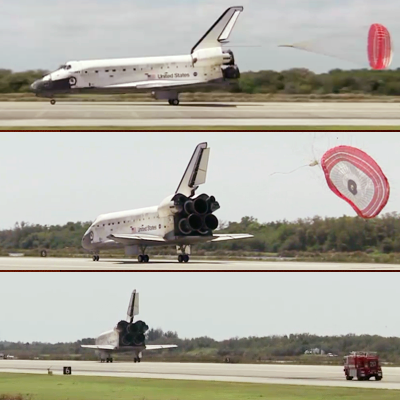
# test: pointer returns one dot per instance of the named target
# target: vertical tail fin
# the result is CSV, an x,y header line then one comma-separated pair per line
x,y
133,308
196,171
221,30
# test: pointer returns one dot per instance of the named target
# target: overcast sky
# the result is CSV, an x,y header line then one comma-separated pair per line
x,y
52,178
47,33
67,307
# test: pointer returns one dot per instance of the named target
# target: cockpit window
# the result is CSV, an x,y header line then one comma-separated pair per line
x,y
66,66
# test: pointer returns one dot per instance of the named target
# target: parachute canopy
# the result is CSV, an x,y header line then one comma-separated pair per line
x,y
351,45
380,52
356,178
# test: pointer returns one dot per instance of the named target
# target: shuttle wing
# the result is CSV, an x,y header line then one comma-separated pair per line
x,y
104,347
223,238
155,83
132,239
160,346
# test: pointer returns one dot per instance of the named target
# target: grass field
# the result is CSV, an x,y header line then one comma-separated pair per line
x,y
200,128
45,387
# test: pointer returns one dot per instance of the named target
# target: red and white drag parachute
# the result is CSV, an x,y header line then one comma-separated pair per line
x,y
380,52
351,45
356,178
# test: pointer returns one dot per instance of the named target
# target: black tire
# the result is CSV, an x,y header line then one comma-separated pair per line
x,y
43,253
349,378
378,378
174,102
52,102
98,258
146,258
180,258
140,258
185,258
94,258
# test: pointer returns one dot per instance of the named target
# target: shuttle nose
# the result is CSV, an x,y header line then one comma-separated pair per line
x,y
86,242
35,87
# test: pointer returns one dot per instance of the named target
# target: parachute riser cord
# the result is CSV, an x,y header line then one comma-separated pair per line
x,y
313,164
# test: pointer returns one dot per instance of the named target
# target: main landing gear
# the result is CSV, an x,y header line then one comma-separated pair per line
x,y
136,359
109,359
183,258
173,102
52,102
144,258
96,257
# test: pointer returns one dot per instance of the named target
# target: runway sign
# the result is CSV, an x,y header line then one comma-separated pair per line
x,y
67,370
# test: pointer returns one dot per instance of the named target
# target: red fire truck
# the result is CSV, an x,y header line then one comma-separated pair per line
x,y
363,366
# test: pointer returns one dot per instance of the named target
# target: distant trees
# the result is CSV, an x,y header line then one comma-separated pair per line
x,y
18,82
27,236
315,235
344,234
250,349
292,81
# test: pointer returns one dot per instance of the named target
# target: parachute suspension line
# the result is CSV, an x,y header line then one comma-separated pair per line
x,y
312,164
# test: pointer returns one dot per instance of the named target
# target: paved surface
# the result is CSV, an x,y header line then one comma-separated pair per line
x,y
276,374
86,264
161,114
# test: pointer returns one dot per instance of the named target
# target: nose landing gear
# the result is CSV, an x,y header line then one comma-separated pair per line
x,y
52,102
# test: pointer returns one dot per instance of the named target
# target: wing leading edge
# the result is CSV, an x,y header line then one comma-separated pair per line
x,y
147,347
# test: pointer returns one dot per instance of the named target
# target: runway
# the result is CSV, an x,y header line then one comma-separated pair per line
x,y
86,264
64,114
271,374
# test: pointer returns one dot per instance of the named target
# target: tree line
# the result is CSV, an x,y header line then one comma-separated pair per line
x,y
315,235
205,349
290,82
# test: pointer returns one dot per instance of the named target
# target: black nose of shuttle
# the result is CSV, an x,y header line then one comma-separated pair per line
x,y
37,86
86,242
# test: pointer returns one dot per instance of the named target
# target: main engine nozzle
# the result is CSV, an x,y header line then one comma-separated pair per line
x,y
127,340
122,326
192,223
210,222
197,206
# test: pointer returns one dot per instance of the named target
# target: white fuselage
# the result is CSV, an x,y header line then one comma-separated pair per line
x,y
144,73
145,221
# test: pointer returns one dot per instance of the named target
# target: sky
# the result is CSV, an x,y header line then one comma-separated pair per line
x,y
53,178
50,307
43,34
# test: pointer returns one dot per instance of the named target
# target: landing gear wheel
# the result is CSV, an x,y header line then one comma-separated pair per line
x,y
349,378
180,258
52,102
173,102
185,258
96,258
144,258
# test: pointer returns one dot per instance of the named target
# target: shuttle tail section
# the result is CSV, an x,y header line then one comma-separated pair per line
x,y
133,308
219,33
196,171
